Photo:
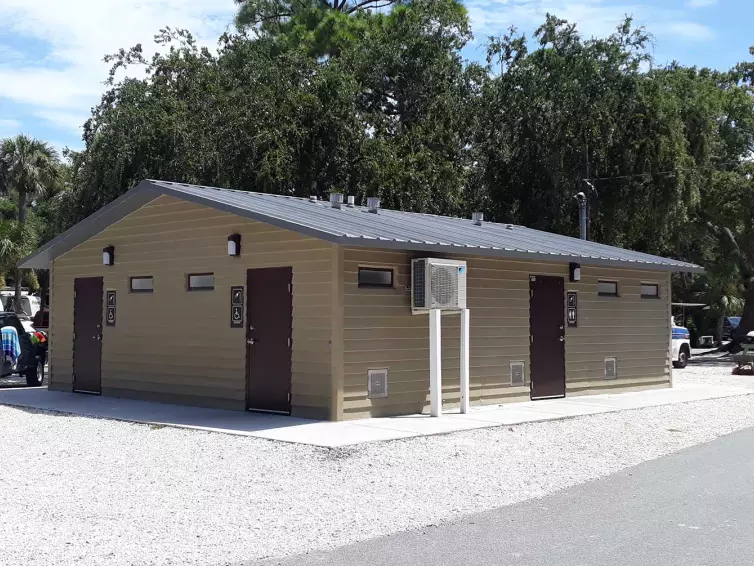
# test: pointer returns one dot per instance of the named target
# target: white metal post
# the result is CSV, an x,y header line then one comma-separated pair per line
x,y
465,361
435,363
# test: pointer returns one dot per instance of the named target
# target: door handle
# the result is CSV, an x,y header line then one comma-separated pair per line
x,y
562,338
250,341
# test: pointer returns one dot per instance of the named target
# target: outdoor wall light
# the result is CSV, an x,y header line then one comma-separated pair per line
x,y
234,245
108,255
574,271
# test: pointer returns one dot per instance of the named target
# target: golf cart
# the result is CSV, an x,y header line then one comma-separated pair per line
x,y
33,352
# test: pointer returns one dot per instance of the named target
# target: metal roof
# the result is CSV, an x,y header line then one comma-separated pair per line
x,y
356,226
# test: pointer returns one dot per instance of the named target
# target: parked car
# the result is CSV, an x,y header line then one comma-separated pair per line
x,y
730,324
31,361
41,320
681,345
30,304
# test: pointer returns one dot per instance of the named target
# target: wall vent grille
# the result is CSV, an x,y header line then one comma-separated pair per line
x,y
517,373
377,383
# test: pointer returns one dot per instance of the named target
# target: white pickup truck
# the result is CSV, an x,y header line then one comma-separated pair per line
x,y
681,345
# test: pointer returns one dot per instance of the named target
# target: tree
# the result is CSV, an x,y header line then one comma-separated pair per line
x,y
16,242
390,116
28,168
322,27
272,15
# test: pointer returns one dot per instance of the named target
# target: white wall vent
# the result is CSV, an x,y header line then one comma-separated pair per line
x,y
377,383
517,373
611,368
438,284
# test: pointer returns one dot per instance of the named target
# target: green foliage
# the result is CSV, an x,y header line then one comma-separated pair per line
x,y
320,27
28,170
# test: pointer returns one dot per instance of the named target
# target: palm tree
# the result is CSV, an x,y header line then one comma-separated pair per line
x,y
28,168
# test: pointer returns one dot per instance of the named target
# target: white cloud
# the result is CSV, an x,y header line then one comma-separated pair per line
x,y
690,31
71,121
701,3
593,17
61,84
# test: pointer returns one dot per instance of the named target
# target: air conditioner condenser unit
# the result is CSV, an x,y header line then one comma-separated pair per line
x,y
438,284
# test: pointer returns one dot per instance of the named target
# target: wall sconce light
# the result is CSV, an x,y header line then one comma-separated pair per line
x,y
108,255
574,270
234,245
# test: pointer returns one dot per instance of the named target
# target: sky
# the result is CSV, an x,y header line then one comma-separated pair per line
x,y
52,73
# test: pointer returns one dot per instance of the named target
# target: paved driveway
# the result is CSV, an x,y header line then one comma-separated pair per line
x,y
687,509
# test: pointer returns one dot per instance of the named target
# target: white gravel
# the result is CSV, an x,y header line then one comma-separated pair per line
x,y
96,492
713,369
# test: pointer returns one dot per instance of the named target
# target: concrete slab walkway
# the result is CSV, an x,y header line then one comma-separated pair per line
x,y
332,434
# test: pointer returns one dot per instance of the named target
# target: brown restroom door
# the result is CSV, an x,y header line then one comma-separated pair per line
x,y
87,335
547,336
268,339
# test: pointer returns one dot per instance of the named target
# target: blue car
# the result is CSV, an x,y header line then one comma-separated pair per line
x,y
730,324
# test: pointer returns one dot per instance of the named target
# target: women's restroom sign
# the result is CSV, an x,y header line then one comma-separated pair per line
x,y
110,310
236,307
572,315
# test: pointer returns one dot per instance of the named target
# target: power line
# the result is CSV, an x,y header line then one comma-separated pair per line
x,y
635,175
630,176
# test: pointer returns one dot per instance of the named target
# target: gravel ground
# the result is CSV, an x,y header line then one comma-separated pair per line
x,y
87,491
713,369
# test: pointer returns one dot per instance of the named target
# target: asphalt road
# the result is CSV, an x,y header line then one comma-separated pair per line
x,y
692,508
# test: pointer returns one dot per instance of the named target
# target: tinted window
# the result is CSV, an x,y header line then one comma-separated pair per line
x,y
650,290
608,288
372,277
201,281
142,284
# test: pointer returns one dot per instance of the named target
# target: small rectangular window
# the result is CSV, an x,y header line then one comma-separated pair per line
x,y
375,277
650,291
607,288
142,284
201,281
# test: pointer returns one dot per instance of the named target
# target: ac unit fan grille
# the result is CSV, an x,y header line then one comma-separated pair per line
x,y
444,285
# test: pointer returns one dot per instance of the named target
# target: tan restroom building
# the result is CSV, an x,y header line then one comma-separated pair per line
x,y
212,297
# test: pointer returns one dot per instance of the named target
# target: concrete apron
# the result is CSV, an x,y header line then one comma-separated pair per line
x,y
348,433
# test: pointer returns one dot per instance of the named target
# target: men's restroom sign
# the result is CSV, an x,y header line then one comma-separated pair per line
x,y
236,307
110,311
572,315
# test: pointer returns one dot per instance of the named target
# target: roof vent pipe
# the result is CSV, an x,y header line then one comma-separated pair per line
x,y
351,200
336,200
477,218
583,222
313,198
373,203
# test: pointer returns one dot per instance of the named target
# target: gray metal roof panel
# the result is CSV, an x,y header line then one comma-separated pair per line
x,y
356,226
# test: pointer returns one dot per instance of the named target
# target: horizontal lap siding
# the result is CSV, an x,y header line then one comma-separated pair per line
x,y
634,330
177,343
380,332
